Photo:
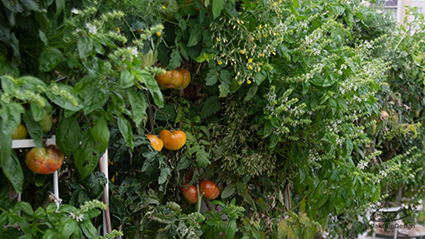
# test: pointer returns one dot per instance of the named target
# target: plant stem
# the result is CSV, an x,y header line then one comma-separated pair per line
x,y
150,115
199,198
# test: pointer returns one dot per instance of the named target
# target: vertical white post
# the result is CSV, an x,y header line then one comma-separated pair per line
x,y
106,217
399,6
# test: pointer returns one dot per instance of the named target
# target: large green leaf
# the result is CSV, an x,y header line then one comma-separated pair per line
x,y
9,85
100,134
68,135
150,82
64,96
50,58
87,155
13,170
85,46
126,79
125,129
138,105
94,99
217,7
211,106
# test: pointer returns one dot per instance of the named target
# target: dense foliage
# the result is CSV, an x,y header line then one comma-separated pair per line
x,y
303,114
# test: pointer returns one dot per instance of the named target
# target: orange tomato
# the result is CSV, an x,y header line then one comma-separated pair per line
x,y
156,142
186,79
173,140
44,160
171,79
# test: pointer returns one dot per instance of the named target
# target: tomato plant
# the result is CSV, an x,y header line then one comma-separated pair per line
x,y
173,140
156,142
189,193
209,189
44,160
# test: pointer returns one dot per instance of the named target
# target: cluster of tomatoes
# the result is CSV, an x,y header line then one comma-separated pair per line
x,y
174,79
170,140
207,189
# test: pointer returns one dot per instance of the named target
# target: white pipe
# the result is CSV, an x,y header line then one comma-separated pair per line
x,y
105,167
399,6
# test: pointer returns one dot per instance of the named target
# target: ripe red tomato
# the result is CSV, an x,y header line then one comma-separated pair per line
x,y
173,140
189,193
171,79
44,160
156,142
209,189
20,132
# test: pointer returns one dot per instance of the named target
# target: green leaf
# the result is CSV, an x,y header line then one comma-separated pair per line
x,y
202,158
195,35
138,105
224,89
68,227
225,76
320,189
64,96
175,60
50,58
184,163
100,134
211,78
60,6
88,229
211,106
150,82
281,229
251,92
31,83
68,135
12,170
260,77
231,224
87,156
126,79
85,47
295,3
217,7
228,191
43,37
167,113
125,129
11,117
34,129
165,173
9,85
93,100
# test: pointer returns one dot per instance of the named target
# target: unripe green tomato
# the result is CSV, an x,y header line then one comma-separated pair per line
x,y
417,113
46,122
20,132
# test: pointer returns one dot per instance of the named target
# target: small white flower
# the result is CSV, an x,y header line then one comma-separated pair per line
x,y
75,11
80,218
379,11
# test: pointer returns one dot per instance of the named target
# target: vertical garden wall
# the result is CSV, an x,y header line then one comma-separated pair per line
x,y
303,114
